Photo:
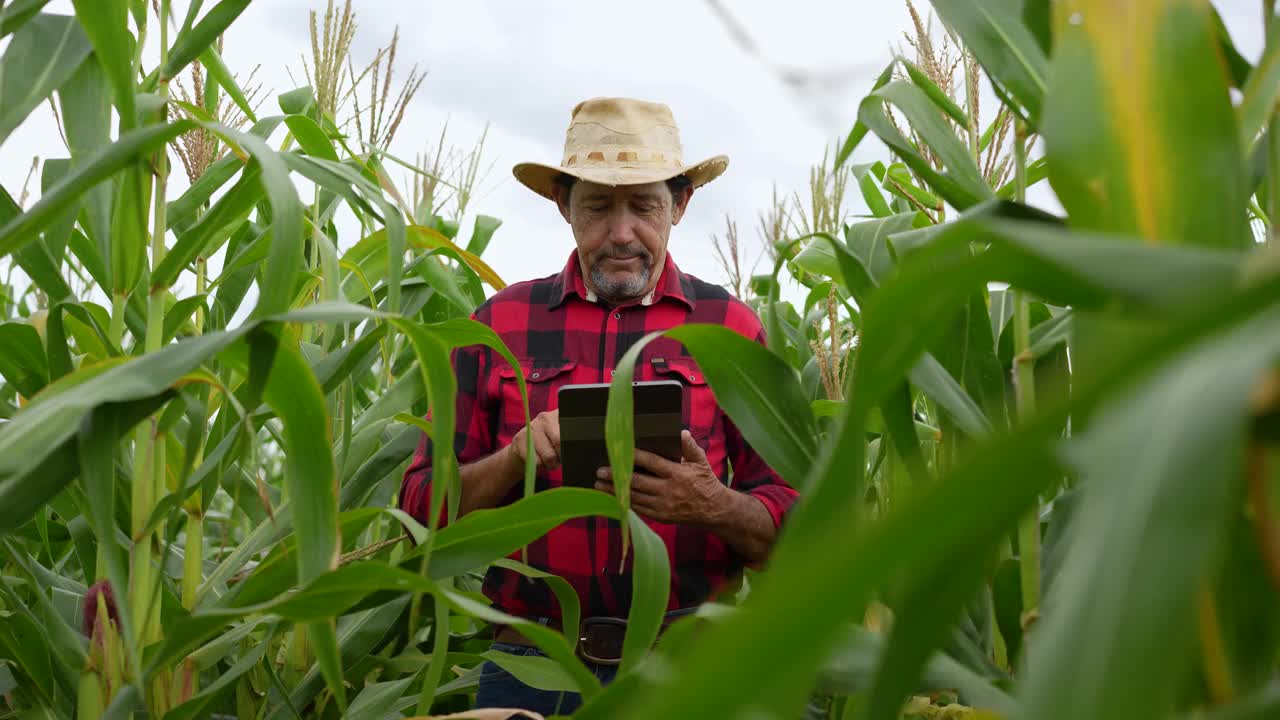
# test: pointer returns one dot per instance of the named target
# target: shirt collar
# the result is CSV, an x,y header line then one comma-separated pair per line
x,y
670,285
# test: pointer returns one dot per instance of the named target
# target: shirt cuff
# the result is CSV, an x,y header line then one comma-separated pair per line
x,y
776,499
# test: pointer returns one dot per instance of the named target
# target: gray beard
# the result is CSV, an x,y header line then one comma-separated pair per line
x,y
617,291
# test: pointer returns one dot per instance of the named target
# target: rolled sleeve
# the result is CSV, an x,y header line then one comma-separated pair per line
x,y
754,477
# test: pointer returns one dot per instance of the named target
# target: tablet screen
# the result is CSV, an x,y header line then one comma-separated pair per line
x,y
657,416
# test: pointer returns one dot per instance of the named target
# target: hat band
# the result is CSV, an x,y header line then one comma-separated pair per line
x,y
621,156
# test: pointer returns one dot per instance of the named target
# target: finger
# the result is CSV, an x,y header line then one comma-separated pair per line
x,y
647,508
648,484
546,455
553,431
654,463
690,449
645,486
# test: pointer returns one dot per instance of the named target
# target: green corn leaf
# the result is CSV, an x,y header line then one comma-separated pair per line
x,y
98,167
870,191
1037,170
285,256
300,101
570,607
311,137
851,668
1124,155
442,387
23,363
1261,92
1002,478
213,228
962,185
196,705
934,380
933,604
194,42
86,117
768,389
21,640
484,536
551,642
310,476
993,30
1144,505
182,211
58,233
935,94
1037,16
650,588
1238,67
1088,269
225,81
534,671
106,22
859,130
38,445
178,315
482,233
43,54
129,236
377,700
751,384
868,241
15,14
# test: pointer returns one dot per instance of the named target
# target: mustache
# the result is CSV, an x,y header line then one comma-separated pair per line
x,y
622,253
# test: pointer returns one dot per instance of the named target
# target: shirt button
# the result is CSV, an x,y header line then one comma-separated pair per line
x,y
691,377
617,316
611,373
535,376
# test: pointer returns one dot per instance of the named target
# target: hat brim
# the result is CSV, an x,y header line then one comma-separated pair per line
x,y
540,178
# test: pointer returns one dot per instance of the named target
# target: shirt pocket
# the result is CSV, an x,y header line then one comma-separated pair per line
x,y
700,411
542,379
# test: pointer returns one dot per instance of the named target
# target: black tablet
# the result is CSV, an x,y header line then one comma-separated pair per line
x,y
658,407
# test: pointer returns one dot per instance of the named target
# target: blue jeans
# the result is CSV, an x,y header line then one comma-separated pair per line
x,y
501,689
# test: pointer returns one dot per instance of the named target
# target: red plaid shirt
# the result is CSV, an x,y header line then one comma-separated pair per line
x,y
562,336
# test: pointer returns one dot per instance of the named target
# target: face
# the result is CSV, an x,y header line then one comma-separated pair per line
x,y
622,234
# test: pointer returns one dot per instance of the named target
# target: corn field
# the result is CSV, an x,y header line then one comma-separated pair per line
x,y
1038,449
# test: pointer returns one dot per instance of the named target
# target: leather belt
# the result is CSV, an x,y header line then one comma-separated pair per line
x,y
600,638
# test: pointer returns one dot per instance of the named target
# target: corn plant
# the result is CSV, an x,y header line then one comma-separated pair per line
x,y
1054,497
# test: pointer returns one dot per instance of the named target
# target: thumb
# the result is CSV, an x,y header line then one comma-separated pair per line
x,y
690,449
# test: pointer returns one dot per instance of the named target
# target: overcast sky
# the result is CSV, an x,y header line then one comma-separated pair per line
x,y
520,67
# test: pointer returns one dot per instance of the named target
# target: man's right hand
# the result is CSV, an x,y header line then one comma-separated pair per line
x,y
545,429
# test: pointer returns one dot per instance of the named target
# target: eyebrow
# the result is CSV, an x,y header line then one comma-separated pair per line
x,y
605,197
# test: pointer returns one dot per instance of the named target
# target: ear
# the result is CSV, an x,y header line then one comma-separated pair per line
x,y
562,202
680,203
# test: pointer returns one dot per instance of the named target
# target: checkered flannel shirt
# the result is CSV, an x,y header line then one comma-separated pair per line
x,y
562,334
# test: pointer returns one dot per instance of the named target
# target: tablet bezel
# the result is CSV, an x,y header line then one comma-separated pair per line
x,y
658,415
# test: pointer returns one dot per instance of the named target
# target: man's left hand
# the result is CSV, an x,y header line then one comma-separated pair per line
x,y
682,493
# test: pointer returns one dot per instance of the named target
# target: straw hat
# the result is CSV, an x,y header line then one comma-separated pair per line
x,y
620,141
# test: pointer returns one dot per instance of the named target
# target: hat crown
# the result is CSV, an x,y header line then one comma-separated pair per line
x,y
622,133
622,115
619,141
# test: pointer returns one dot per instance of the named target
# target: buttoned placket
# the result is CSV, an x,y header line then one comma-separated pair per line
x,y
613,318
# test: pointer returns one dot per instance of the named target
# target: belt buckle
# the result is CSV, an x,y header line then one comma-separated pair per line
x,y
600,640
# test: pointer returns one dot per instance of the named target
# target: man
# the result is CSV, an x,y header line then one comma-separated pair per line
x,y
621,186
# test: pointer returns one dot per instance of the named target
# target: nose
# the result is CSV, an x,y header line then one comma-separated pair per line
x,y
622,227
